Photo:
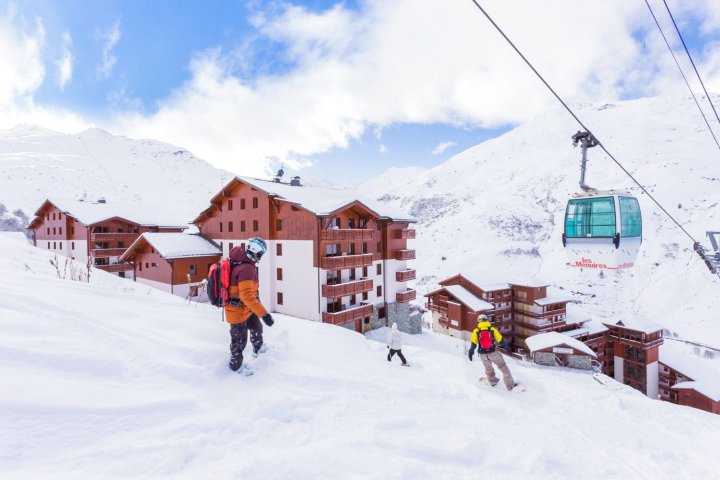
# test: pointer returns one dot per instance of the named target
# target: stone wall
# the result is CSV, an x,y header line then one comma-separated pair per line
x,y
544,358
573,361
580,361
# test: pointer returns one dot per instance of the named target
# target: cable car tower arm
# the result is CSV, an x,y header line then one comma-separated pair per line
x,y
586,140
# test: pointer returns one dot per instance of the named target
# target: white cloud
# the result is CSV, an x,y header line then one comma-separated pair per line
x,y
21,65
442,146
65,62
382,148
109,38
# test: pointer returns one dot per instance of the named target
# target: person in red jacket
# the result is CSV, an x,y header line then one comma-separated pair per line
x,y
243,311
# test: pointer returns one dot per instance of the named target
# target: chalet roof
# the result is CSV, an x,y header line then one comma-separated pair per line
x,y
144,214
484,285
468,298
637,325
323,200
590,327
553,298
531,283
706,379
174,245
555,339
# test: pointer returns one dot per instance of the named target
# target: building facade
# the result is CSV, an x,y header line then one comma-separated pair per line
x,y
330,258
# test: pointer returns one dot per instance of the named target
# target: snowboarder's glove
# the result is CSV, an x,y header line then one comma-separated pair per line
x,y
388,346
470,354
268,320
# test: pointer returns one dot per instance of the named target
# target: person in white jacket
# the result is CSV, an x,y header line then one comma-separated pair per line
x,y
395,344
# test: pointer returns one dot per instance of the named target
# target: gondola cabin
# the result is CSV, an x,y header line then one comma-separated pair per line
x,y
603,230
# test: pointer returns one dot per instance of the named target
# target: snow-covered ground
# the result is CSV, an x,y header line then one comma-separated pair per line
x,y
111,379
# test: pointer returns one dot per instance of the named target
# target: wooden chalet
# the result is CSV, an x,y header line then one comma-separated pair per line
x,y
331,257
93,230
173,262
557,349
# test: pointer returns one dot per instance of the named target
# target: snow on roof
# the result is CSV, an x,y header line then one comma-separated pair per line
x,y
637,324
484,285
465,296
706,379
553,298
533,283
324,200
590,327
179,245
141,213
553,339
710,389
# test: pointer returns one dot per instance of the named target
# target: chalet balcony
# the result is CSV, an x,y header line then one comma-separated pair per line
x,y
405,296
346,261
349,315
116,267
405,275
114,237
346,289
404,254
346,234
434,307
405,234
108,252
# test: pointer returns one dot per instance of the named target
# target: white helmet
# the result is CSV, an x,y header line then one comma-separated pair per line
x,y
255,249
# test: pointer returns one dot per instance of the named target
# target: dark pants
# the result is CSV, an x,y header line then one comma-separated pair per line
x,y
399,354
239,338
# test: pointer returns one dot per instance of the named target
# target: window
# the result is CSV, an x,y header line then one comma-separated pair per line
x,y
54,229
631,219
255,202
230,247
351,223
279,298
153,264
278,225
60,230
351,248
48,245
352,274
147,265
54,245
220,226
279,274
72,245
353,299
242,245
48,230
365,272
381,312
60,245
255,226
379,247
193,271
364,247
121,245
242,204
140,266
53,216
378,292
230,205
230,226
278,249
60,216
365,295
378,269
590,217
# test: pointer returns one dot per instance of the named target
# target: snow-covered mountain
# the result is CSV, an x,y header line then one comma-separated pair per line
x,y
496,211
113,379
36,164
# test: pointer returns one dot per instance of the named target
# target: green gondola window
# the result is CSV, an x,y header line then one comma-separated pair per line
x,y
590,217
631,218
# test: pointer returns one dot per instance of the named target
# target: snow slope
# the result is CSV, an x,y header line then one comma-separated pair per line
x,y
36,164
495,211
112,379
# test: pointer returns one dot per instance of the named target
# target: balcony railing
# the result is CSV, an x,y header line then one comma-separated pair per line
x,y
346,261
405,275
116,267
404,254
113,237
346,234
350,315
108,252
405,234
437,308
346,289
405,296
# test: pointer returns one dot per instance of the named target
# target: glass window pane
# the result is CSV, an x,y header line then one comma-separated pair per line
x,y
590,217
630,217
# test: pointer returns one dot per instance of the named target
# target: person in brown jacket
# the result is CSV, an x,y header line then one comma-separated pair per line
x,y
243,311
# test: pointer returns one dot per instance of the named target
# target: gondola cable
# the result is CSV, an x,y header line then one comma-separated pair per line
x,y
577,119
683,74
707,95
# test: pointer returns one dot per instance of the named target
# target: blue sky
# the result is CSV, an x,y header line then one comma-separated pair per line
x,y
336,90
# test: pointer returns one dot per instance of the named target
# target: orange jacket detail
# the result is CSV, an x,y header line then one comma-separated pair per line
x,y
247,291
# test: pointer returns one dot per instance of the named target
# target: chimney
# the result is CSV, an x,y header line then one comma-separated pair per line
x,y
295,182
